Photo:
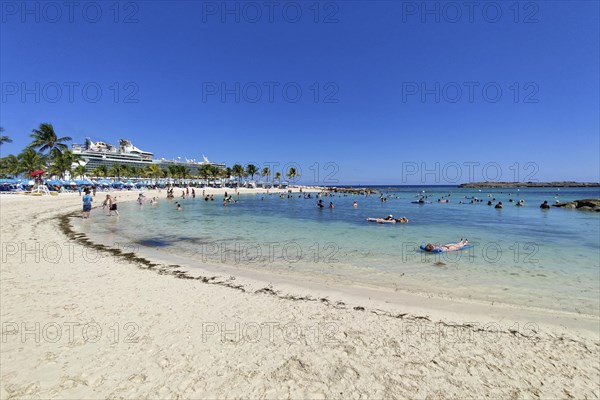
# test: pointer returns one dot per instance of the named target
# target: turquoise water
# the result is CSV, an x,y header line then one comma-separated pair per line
x,y
522,255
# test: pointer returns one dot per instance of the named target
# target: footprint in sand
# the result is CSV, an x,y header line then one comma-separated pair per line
x,y
49,356
138,378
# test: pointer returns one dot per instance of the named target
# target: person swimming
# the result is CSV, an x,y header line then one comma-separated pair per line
x,y
545,205
499,205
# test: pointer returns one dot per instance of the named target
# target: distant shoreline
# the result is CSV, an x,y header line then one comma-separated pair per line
x,y
474,185
528,184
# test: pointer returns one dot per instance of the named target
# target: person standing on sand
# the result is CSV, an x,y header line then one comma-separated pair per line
x,y
87,204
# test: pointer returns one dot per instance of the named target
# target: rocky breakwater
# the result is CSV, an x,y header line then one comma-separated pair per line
x,y
583,205
350,190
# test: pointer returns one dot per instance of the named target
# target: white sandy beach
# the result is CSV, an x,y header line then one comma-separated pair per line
x,y
82,323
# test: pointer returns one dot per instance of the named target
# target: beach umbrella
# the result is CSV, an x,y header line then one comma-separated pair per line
x,y
36,173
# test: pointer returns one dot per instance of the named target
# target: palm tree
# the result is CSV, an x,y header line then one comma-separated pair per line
x,y
4,139
205,171
45,138
181,172
277,177
9,165
126,171
79,171
215,172
172,171
292,174
238,171
62,162
30,161
251,170
100,171
116,171
225,173
154,171
266,172
135,172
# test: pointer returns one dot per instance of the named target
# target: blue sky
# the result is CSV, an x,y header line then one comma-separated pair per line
x,y
379,83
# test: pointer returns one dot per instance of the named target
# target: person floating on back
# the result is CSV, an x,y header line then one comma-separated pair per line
x,y
445,247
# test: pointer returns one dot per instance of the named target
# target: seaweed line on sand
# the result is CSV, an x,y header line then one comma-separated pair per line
x,y
173,270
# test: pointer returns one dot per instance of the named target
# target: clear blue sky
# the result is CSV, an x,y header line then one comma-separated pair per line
x,y
369,60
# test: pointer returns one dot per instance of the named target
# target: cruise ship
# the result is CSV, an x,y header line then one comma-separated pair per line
x,y
95,154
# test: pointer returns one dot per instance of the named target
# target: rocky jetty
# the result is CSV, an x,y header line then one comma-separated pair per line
x,y
351,190
583,205
528,184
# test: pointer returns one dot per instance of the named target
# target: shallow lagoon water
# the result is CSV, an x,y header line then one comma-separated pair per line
x,y
523,255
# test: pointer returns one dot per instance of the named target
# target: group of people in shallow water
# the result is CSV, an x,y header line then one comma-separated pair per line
x,y
109,202
520,203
